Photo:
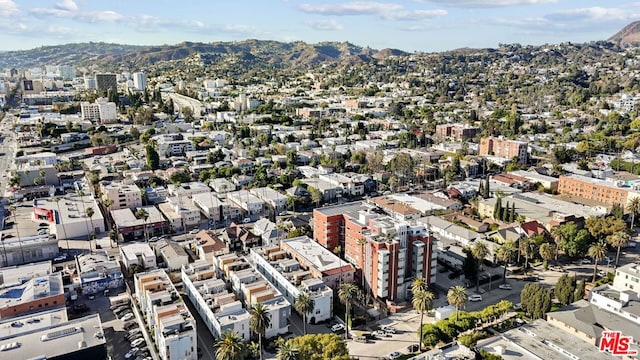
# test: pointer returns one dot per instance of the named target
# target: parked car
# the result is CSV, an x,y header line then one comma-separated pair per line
x,y
380,334
137,342
131,353
585,261
194,231
394,355
389,329
505,286
413,348
337,328
128,325
475,297
362,339
127,316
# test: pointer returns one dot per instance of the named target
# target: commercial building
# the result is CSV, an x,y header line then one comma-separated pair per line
x,y
124,196
96,273
139,254
139,81
68,218
290,278
24,250
168,318
36,294
252,288
218,308
51,335
106,82
130,227
603,191
504,148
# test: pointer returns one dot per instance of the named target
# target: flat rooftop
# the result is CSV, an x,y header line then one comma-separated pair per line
x,y
127,218
16,275
314,254
34,289
350,209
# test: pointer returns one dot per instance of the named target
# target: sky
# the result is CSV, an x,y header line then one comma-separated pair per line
x,y
409,25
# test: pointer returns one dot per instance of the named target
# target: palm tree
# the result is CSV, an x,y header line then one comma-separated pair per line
x,y
12,209
597,252
56,199
457,296
419,284
286,351
524,247
634,208
230,347
422,301
618,240
347,293
144,215
557,235
547,251
90,212
43,175
259,322
504,254
304,305
479,251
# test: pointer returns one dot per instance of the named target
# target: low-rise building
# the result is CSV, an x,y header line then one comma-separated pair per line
x,y
28,249
210,206
168,318
276,201
187,190
252,206
210,245
68,218
36,294
181,213
139,254
218,308
96,273
130,226
172,254
123,195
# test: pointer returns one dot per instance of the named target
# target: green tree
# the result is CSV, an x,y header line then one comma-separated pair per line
x,y
457,296
348,293
505,254
479,251
633,207
316,195
597,252
422,301
618,240
320,347
565,289
144,215
547,251
431,335
535,300
286,351
497,210
304,305
230,347
579,293
153,159
259,322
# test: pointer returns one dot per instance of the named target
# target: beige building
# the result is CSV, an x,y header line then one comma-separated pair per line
x,y
124,196
504,148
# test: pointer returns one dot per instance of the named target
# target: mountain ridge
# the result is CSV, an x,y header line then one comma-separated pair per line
x,y
628,35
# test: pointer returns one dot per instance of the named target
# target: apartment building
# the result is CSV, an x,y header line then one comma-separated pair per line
x,y
169,320
291,279
396,209
182,214
457,132
273,199
387,251
349,186
504,148
602,191
628,278
251,287
188,189
252,206
220,310
139,254
106,82
124,196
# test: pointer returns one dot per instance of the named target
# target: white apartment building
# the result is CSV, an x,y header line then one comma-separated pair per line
x,y
628,278
139,81
290,279
174,147
209,205
139,254
168,318
219,309
187,190
274,199
102,110
252,288
124,196
251,204
348,185
89,111
182,213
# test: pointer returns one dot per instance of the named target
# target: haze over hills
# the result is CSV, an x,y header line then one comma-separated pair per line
x,y
628,35
274,53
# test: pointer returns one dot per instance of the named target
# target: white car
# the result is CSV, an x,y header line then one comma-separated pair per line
x,y
337,328
137,342
131,353
127,317
505,286
389,329
394,355
475,297
194,231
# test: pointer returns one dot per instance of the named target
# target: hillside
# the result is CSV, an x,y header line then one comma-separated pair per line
x,y
249,52
629,35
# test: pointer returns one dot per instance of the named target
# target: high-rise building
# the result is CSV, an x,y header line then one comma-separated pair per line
x,y
104,82
139,81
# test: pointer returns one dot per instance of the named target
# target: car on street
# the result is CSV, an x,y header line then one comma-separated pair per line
x,y
505,286
413,348
337,328
475,297
137,342
380,334
585,261
127,316
394,355
194,231
131,353
389,329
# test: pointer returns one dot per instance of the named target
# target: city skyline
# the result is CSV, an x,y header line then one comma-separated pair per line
x,y
412,25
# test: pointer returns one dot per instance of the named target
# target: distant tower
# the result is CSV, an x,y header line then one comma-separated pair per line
x,y
104,82
139,81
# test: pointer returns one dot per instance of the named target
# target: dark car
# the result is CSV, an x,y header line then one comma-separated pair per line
x,y
80,308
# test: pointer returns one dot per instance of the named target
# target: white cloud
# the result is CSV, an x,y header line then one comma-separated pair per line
x,y
67,5
351,8
486,3
325,25
595,13
414,15
8,8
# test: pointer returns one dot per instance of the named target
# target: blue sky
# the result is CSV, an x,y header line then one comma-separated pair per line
x,y
410,25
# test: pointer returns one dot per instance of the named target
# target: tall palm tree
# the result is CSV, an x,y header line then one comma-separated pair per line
x,y
90,212
558,236
457,296
479,251
547,250
230,347
286,351
504,254
304,305
618,240
12,209
634,208
144,215
348,293
525,248
259,322
419,284
597,252
43,175
422,301
56,199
